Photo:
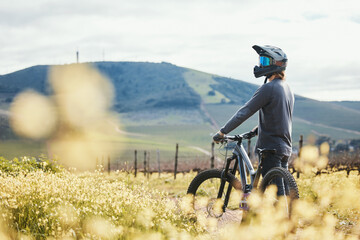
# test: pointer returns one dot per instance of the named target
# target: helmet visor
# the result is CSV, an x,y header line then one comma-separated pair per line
x,y
265,61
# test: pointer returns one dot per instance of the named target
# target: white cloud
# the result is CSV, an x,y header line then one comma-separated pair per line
x,y
212,36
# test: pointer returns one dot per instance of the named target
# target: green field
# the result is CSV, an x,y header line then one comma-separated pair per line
x,y
198,135
162,129
201,82
141,138
18,148
164,138
329,114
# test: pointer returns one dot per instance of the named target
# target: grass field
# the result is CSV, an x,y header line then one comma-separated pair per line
x,y
201,82
18,148
164,138
162,130
330,114
39,204
140,138
198,135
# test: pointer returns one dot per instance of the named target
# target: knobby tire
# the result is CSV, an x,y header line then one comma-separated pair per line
x,y
208,174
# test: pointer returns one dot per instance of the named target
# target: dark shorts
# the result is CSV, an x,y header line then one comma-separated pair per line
x,y
275,160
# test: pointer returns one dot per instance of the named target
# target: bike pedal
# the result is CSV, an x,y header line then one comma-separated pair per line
x,y
244,206
247,188
243,203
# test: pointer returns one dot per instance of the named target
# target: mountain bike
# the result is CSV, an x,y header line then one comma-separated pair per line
x,y
212,188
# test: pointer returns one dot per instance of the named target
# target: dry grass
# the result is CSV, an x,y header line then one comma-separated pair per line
x,y
67,205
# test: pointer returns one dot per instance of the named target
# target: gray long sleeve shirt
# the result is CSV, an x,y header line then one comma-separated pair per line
x,y
275,103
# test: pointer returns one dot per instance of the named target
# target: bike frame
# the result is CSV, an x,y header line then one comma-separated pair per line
x,y
244,165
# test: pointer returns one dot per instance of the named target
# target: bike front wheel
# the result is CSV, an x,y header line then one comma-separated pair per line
x,y
205,188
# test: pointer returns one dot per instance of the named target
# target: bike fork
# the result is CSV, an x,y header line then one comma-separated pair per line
x,y
224,177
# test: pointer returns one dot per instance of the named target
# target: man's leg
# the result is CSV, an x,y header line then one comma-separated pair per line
x,y
274,160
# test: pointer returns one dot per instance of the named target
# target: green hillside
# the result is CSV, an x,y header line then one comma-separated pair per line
x,y
335,119
33,77
349,104
203,84
164,104
141,86
138,86
328,114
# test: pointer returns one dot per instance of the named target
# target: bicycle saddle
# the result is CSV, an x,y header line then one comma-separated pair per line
x,y
266,150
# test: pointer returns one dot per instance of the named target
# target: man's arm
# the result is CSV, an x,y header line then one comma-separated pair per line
x,y
260,98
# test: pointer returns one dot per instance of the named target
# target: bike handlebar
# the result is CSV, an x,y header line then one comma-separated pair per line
x,y
247,135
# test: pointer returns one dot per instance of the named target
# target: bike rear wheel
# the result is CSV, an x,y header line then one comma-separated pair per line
x,y
286,186
204,188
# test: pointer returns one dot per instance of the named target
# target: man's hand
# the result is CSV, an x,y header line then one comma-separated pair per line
x,y
218,137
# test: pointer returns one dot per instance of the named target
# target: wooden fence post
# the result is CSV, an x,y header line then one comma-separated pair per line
x,y
176,160
144,163
135,163
299,154
212,165
158,160
148,165
109,164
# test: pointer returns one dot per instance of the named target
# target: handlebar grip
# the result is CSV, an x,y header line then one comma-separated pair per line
x,y
250,134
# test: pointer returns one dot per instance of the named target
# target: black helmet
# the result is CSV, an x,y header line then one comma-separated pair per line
x,y
272,60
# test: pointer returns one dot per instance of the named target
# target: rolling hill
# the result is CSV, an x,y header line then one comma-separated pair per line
x,y
349,104
150,96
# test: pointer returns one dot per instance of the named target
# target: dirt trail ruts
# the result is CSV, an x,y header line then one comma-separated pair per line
x,y
207,114
117,129
230,216
219,160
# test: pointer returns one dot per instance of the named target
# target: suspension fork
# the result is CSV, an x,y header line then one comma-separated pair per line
x,y
227,196
224,177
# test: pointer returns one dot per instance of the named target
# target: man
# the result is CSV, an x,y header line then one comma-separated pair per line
x,y
275,102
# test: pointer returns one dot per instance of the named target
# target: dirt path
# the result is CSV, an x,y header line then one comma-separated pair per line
x,y
207,114
230,216
217,159
117,129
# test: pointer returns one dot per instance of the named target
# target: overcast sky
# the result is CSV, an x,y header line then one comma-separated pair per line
x,y
321,38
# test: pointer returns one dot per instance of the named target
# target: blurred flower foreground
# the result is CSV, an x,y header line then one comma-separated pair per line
x,y
76,119
62,205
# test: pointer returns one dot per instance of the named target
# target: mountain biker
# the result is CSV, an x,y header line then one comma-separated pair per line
x,y
275,102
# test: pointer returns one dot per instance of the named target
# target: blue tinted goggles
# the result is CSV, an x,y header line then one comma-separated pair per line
x,y
265,61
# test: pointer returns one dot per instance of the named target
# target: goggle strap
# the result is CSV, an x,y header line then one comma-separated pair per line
x,y
280,63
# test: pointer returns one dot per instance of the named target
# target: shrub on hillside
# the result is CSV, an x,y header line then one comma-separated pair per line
x,y
28,164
